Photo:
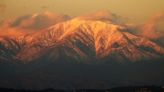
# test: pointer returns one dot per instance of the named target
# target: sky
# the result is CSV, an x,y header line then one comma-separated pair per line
x,y
137,10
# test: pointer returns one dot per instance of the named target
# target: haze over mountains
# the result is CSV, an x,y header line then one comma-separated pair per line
x,y
31,22
153,28
42,44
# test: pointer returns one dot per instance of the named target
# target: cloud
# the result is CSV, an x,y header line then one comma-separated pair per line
x,y
153,28
2,8
17,22
37,21
31,23
104,15
44,7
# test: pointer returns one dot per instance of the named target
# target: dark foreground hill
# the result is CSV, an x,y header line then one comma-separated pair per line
x,y
116,89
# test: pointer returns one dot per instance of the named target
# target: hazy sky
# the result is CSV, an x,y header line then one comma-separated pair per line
x,y
135,9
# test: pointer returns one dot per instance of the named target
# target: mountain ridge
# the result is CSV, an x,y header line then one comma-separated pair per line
x,y
85,40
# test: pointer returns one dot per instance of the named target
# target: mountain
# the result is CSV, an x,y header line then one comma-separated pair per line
x,y
80,54
82,41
